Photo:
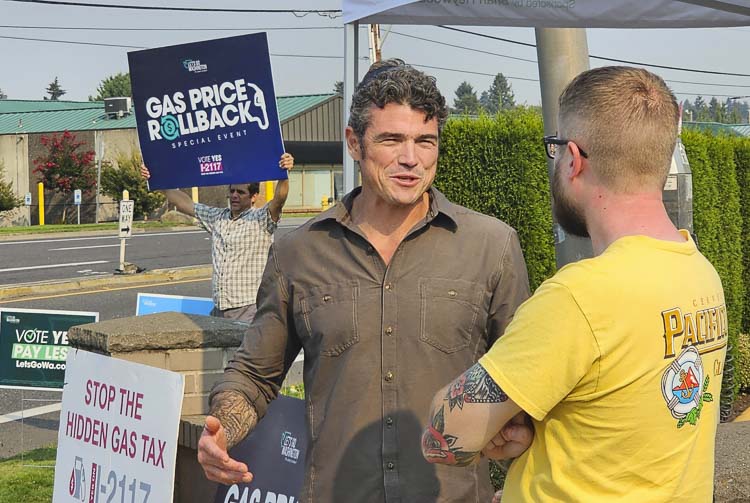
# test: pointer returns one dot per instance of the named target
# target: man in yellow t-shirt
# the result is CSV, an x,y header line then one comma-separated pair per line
x,y
617,359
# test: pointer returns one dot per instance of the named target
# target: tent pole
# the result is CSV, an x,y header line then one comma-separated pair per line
x,y
351,77
562,54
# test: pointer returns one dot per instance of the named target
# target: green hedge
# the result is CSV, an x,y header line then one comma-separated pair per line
x,y
718,220
497,166
742,163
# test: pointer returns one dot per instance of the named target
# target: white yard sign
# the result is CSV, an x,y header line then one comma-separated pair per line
x,y
118,432
126,218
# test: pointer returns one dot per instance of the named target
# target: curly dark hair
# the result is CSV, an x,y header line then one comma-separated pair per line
x,y
393,81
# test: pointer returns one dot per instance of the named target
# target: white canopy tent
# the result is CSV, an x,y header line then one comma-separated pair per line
x,y
552,13
561,55
531,13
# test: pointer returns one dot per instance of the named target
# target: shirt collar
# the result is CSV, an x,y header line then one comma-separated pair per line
x,y
341,211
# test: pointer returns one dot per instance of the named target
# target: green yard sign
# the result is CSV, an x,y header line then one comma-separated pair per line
x,y
34,346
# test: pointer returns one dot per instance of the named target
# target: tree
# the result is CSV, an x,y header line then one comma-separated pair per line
x,y
65,166
114,86
713,110
125,174
700,110
466,101
54,90
8,199
3,96
338,87
499,96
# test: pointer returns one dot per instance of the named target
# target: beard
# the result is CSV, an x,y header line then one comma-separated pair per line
x,y
568,215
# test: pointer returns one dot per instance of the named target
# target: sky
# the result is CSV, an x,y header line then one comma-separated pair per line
x,y
28,66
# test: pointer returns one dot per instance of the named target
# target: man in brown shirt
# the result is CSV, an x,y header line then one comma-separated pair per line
x,y
387,292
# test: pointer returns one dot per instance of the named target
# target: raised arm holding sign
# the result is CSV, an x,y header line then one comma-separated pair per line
x,y
237,270
206,115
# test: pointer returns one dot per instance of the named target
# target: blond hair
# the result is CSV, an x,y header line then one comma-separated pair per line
x,y
626,120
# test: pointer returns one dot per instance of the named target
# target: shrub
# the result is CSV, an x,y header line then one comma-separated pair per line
x,y
8,199
124,174
497,166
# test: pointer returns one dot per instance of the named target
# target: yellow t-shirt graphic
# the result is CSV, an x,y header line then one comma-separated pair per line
x,y
618,359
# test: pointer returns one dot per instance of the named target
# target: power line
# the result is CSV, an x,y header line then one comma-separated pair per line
x,y
706,84
463,47
537,80
535,61
318,56
473,72
106,28
331,13
704,94
72,42
603,58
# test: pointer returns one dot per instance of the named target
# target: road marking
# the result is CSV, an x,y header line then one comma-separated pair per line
x,y
84,247
72,294
25,414
10,269
64,240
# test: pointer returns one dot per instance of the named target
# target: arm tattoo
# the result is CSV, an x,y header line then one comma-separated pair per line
x,y
473,386
236,414
438,447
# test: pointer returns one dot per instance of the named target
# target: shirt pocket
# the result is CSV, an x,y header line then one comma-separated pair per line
x,y
449,312
329,316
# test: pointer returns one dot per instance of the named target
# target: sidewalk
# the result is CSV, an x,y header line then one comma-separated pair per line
x,y
108,281
745,416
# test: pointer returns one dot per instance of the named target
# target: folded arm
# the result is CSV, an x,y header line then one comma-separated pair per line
x,y
467,417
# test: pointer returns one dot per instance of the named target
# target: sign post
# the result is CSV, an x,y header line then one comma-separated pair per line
x,y
27,203
77,202
117,439
125,227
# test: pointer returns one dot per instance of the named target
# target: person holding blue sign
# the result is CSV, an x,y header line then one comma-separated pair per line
x,y
240,238
386,292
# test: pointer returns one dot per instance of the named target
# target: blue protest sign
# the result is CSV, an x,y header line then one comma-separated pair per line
x,y
150,303
206,112
275,454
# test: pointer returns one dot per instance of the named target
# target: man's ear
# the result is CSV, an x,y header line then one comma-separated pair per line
x,y
352,144
576,160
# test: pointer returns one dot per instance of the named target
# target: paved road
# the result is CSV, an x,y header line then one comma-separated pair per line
x,y
154,250
39,258
41,430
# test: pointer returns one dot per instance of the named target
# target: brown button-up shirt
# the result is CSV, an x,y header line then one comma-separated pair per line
x,y
379,341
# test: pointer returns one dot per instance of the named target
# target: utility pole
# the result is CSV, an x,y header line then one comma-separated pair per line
x,y
562,53
376,44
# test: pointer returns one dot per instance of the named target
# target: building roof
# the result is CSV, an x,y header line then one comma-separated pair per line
x,y
27,116
716,128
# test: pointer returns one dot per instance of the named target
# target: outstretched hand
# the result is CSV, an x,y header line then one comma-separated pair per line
x,y
213,456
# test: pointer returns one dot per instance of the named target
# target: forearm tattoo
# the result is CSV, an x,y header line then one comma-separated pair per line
x,y
473,386
236,414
